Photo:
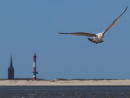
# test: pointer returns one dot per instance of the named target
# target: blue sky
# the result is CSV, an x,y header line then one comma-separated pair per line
x,y
32,26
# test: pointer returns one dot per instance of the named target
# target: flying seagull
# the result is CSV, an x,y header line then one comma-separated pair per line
x,y
97,38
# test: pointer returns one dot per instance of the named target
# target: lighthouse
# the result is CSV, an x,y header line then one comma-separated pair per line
x,y
34,68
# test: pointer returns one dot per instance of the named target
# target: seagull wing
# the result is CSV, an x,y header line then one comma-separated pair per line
x,y
81,34
114,22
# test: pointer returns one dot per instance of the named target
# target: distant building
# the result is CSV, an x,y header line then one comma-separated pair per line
x,y
11,70
34,68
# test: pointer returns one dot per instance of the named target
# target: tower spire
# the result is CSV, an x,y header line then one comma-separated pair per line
x,y
11,63
11,69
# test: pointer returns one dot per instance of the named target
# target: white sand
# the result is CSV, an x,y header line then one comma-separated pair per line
x,y
65,83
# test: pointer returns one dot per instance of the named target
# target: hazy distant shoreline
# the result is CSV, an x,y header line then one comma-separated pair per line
x,y
60,82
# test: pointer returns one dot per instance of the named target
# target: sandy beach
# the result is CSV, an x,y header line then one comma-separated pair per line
x,y
65,83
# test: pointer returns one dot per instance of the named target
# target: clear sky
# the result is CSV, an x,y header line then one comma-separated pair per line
x,y
32,26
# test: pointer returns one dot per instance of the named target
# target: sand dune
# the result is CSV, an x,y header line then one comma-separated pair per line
x,y
65,83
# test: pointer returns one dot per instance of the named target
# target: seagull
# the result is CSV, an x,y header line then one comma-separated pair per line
x,y
97,38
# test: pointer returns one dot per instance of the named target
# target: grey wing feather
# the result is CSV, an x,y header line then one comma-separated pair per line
x,y
114,22
81,34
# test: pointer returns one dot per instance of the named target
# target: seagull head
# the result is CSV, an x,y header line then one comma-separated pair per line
x,y
100,35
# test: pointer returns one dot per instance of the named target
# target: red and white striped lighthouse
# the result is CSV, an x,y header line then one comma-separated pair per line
x,y
34,68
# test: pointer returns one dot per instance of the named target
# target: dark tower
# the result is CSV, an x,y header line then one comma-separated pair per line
x,y
11,70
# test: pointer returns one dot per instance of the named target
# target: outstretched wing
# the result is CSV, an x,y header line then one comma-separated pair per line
x,y
114,22
81,34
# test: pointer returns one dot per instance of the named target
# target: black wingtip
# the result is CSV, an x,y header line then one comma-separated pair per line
x,y
60,33
126,7
63,33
